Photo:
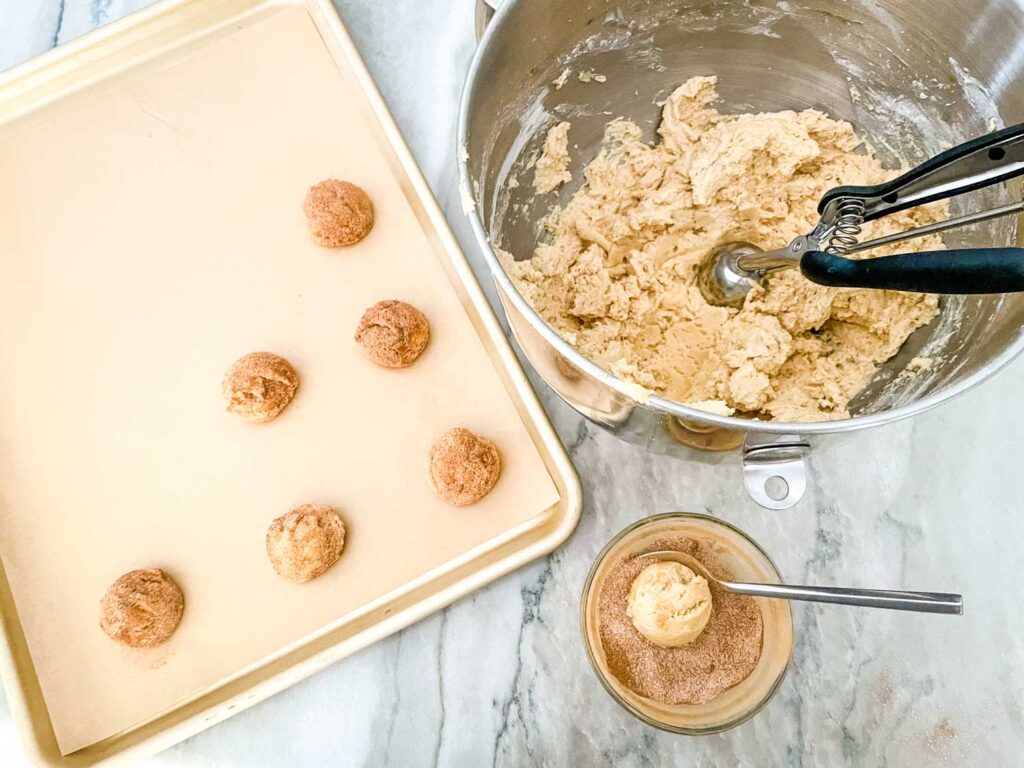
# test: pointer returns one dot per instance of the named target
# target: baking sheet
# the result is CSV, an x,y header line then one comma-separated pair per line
x,y
151,232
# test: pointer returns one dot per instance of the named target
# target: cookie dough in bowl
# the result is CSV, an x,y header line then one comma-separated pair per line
x,y
615,274
600,270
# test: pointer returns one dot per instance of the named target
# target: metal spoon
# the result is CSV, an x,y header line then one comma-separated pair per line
x,y
923,602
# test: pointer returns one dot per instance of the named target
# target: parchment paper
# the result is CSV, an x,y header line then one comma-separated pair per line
x,y
151,232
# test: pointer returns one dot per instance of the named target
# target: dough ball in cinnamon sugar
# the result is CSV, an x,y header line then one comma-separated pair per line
x,y
393,334
338,213
142,608
258,386
306,542
463,467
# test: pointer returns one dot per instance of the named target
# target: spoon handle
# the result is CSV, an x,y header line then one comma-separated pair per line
x,y
924,602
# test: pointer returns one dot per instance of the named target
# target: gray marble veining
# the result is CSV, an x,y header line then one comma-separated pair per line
x,y
501,679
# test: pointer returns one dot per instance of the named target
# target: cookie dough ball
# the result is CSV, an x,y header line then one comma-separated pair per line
x,y
142,608
463,467
259,386
669,604
393,334
338,213
306,542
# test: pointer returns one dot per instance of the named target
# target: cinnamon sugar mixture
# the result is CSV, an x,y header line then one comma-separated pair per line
x,y
724,654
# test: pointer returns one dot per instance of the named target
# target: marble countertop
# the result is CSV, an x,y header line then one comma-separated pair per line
x,y
501,678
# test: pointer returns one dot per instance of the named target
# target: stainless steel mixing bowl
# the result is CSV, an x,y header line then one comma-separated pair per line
x,y
913,76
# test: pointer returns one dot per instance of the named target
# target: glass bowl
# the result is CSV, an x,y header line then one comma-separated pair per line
x,y
748,562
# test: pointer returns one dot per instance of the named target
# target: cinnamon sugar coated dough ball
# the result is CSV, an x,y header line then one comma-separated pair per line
x,y
463,467
259,386
338,213
306,542
142,608
393,334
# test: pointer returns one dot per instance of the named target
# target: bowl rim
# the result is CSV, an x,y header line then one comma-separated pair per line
x,y
634,392
584,634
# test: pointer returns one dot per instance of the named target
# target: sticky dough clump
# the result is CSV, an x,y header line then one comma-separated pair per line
x,y
617,277
552,169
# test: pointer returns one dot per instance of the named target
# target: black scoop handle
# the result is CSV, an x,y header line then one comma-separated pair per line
x,y
980,162
968,270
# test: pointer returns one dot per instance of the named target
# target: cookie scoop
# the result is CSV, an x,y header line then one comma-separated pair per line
x,y
822,255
